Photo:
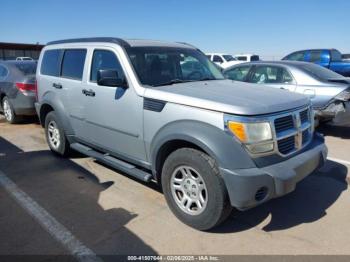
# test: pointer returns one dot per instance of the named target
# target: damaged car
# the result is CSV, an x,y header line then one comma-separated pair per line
x,y
328,91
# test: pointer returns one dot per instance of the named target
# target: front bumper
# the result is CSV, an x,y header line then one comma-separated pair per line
x,y
332,110
250,187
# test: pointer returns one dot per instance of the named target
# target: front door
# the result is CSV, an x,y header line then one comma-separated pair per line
x,y
274,76
113,114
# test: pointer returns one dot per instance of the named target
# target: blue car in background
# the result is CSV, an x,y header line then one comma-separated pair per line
x,y
328,58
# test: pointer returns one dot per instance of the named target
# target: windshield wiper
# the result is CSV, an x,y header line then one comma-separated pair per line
x,y
173,81
207,79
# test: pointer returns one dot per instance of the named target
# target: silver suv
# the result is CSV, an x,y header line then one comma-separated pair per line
x,y
163,112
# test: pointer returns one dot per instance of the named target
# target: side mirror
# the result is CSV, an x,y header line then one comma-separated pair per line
x,y
110,77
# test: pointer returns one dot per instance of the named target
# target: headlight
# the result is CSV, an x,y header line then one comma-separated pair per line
x,y
251,132
257,137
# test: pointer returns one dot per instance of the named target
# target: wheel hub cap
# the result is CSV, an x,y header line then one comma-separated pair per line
x,y
53,135
189,190
7,110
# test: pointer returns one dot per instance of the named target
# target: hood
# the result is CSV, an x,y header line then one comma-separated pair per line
x,y
229,97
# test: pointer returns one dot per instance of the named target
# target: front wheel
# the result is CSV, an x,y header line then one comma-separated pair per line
x,y
194,190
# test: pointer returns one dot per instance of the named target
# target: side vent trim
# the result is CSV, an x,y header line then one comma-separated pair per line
x,y
153,104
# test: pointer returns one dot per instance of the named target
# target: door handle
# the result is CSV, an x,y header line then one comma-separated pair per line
x,y
57,85
89,92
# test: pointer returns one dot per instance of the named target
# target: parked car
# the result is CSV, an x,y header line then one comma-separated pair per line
x,y
328,91
211,143
247,57
17,89
24,58
328,58
222,60
345,57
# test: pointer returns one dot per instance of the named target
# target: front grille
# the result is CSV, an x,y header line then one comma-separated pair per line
x,y
304,116
293,131
286,145
284,123
305,136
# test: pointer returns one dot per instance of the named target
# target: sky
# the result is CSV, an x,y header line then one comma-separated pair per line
x,y
270,28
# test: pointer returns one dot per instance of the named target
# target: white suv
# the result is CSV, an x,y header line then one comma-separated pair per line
x,y
247,57
223,60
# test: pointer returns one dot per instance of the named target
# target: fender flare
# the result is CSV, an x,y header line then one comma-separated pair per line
x,y
52,99
217,143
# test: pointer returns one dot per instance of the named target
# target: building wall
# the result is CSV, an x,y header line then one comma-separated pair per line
x,y
10,51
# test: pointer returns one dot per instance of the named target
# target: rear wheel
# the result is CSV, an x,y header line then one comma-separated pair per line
x,y
55,136
9,112
194,190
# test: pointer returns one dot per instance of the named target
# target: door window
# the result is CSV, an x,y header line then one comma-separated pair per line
x,y
271,75
73,63
217,59
50,64
315,56
238,73
102,60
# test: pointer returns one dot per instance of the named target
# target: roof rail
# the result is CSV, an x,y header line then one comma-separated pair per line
x,y
114,40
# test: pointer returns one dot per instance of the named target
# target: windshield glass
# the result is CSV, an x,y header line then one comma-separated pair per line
x,y
229,58
26,68
320,72
156,66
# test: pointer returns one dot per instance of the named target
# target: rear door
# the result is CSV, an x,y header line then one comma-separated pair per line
x,y
70,84
273,76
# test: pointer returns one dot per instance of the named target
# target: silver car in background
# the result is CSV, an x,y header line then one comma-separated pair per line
x,y
328,91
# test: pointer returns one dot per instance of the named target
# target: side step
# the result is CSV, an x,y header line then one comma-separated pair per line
x,y
113,162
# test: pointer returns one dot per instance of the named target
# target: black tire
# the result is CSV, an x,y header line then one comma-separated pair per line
x,y
217,208
11,118
62,148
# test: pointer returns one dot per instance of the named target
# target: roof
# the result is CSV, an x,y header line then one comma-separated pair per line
x,y
20,46
216,53
278,62
123,42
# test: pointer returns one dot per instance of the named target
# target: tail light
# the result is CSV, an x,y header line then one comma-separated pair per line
x,y
26,87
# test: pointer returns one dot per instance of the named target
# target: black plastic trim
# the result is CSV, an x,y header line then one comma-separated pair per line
x,y
114,40
153,104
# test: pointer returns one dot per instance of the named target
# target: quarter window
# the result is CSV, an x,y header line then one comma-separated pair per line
x,y
102,60
3,71
73,63
50,64
336,55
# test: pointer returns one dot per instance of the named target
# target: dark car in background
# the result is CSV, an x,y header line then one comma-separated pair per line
x,y
17,89
328,91
328,58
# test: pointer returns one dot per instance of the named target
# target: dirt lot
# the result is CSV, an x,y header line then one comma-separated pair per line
x,y
109,213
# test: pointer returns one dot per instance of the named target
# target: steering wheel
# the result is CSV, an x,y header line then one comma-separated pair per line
x,y
195,75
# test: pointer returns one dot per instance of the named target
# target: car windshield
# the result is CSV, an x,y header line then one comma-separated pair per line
x,y
320,72
26,68
157,66
229,58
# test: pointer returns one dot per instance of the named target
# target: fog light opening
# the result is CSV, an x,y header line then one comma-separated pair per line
x,y
261,193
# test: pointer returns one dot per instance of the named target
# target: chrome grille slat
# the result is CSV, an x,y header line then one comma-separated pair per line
x,y
292,131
